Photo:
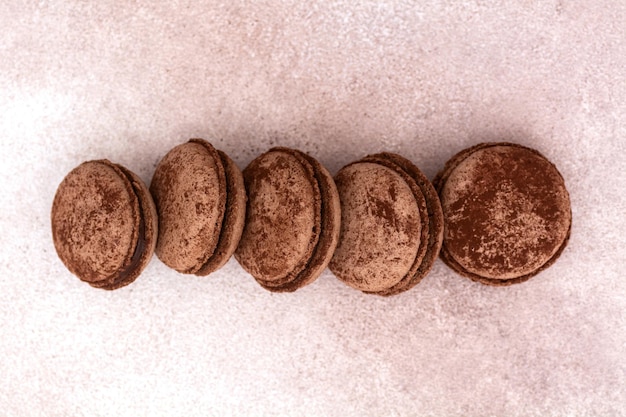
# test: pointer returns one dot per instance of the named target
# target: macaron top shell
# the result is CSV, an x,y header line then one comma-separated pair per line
x,y
189,188
431,218
95,219
507,212
282,219
381,227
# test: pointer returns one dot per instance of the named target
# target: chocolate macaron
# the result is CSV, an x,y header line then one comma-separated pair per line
x,y
104,224
201,201
507,213
292,220
391,225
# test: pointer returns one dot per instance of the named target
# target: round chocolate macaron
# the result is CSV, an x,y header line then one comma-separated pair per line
x,y
391,225
292,220
201,201
507,213
104,224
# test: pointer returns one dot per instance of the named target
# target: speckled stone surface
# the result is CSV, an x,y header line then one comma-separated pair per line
x,y
130,80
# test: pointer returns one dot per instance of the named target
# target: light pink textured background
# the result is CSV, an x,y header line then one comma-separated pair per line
x,y
128,80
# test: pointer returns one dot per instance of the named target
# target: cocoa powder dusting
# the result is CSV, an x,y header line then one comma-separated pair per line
x,y
282,217
380,232
507,212
189,189
95,217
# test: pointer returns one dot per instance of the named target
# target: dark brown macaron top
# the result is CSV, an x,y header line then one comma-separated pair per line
x,y
200,198
507,213
391,225
104,224
292,220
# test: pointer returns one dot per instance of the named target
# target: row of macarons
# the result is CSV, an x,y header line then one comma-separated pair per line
x,y
497,213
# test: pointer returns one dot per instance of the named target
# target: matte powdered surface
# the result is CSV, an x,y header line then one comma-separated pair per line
x,y
381,227
507,211
96,217
329,227
189,188
130,80
431,217
147,235
282,217
104,224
